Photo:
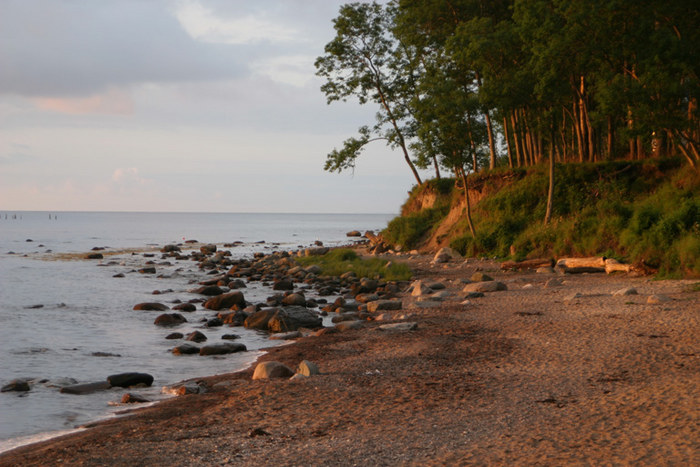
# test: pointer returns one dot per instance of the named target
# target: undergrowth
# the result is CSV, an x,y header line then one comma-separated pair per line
x,y
339,261
640,212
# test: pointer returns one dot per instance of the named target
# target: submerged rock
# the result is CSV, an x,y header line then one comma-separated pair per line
x,y
169,319
151,306
86,388
124,380
222,348
16,385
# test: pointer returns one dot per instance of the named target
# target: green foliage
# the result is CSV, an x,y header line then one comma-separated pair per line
x,y
339,261
408,231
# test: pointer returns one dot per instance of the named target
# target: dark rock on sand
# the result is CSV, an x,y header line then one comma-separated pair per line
x,y
125,380
209,290
148,270
94,256
175,335
130,398
188,307
225,301
292,318
170,249
169,319
222,348
267,370
151,306
284,284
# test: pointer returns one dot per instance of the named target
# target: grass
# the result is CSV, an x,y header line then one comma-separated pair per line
x,y
339,261
639,212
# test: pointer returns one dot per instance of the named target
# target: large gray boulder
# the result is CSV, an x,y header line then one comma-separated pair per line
x,y
124,380
267,370
222,348
291,318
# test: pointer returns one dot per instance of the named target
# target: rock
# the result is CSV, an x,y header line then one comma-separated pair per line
x,y
399,327
324,331
230,337
267,370
383,305
348,325
119,275
282,336
236,318
490,286
130,398
169,319
209,290
292,318
284,284
225,301
419,288
125,380
214,323
183,389
474,295
545,270
151,306
441,295
307,368
367,285
353,233
170,249
187,307
237,284
16,385
185,349
436,285
86,388
656,299
260,319
208,249
222,348
313,269
556,282
318,251
480,277
148,270
196,336
625,291
349,316
366,297
446,255
174,335
94,256
294,299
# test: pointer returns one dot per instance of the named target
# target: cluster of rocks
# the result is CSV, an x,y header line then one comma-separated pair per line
x,y
122,380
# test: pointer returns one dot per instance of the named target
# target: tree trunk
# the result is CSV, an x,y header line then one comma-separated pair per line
x,y
460,170
550,191
489,127
506,135
437,167
516,138
577,129
610,140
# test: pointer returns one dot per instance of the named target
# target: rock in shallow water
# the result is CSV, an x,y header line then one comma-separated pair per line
x,y
17,385
151,306
86,388
222,349
124,380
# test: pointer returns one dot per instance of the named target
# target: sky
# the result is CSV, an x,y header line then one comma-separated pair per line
x,y
179,105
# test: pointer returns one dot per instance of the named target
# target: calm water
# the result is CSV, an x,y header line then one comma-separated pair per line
x,y
84,311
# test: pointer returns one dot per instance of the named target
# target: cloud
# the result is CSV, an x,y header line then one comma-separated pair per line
x,y
128,176
297,70
205,25
79,49
111,102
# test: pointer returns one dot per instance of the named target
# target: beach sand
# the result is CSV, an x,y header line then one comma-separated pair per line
x,y
534,375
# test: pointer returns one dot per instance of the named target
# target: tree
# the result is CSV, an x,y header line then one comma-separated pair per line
x,y
365,61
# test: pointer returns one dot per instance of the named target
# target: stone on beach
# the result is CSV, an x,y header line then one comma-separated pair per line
x,y
151,306
285,335
348,325
209,290
489,286
307,368
86,388
626,291
125,380
185,349
17,385
225,301
169,319
267,370
419,288
292,318
480,277
130,398
383,305
445,255
656,299
222,348
399,327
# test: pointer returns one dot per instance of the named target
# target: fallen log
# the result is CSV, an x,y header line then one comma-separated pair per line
x,y
527,264
613,265
581,265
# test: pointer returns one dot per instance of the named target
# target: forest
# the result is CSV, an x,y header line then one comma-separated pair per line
x,y
468,87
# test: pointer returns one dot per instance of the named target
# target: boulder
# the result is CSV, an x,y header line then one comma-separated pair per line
x,y
419,288
348,325
292,318
399,327
86,388
489,286
222,348
169,319
446,255
294,299
208,249
151,306
125,380
656,299
284,284
234,318
174,335
185,349
283,336
230,337
209,290
130,398
170,249
480,277
225,301
94,256
383,305
626,291
318,251
196,336
187,307
260,319
307,368
267,370
353,233
18,385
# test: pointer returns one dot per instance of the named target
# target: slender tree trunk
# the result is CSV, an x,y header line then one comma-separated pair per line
x,y
550,191
516,138
437,167
507,137
611,139
460,171
579,136
489,127
472,144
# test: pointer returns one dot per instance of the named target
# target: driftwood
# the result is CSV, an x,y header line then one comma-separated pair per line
x,y
594,264
527,264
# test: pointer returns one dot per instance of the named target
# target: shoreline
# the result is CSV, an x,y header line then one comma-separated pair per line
x,y
473,383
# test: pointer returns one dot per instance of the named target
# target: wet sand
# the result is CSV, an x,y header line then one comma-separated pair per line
x,y
533,375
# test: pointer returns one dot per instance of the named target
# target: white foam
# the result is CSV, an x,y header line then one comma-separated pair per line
x,y
9,444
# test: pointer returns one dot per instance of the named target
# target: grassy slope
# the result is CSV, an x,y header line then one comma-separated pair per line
x,y
647,211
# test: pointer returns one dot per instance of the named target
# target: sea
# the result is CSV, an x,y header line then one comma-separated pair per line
x,y
66,319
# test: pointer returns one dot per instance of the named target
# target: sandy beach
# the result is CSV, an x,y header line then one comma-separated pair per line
x,y
555,370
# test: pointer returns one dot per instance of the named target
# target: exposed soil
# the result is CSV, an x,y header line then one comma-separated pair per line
x,y
519,377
